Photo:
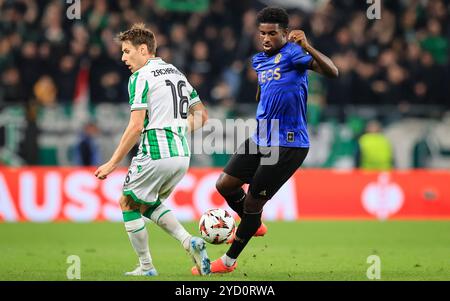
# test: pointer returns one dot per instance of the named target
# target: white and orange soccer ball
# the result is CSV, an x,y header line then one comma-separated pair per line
x,y
216,226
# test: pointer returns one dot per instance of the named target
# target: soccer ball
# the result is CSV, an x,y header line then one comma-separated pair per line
x,y
216,226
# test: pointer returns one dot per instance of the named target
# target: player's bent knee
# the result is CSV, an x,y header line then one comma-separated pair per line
x,y
227,184
222,186
219,186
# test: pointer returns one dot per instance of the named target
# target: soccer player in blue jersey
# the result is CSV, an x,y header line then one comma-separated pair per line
x,y
282,130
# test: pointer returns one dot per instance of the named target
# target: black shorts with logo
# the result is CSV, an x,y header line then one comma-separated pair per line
x,y
266,169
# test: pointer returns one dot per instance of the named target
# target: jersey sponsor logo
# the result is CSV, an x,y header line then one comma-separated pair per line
x,y
269,75
278,58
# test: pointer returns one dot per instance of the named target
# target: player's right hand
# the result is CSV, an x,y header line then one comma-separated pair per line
x,y
103,171
299,37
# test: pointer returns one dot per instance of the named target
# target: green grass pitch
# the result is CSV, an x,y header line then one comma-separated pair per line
x,y
305,250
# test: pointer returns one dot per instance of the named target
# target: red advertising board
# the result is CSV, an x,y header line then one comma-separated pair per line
x,y
74,194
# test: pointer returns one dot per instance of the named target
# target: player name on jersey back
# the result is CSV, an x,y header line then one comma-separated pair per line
x,y
165,71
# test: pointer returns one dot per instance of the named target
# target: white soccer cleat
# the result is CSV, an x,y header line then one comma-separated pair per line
x,y
139,271
197,249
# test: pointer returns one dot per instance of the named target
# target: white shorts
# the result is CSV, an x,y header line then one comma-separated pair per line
x,y
150,182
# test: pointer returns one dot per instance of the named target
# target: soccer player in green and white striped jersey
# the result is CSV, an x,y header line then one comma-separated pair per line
x,y
164,107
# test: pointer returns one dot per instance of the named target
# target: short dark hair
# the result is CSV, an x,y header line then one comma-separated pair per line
x,y
273,15
138,34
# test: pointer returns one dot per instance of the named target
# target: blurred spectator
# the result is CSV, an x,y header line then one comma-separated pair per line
x,y
341,92
29,148
30,66
180,45
249,83
165,53
433,81
66,78
86,151
108,76
221,92
45,91
421,154
10,86
374,149
98,19
198,81
383,61
52,24
6,55
110,87
245,47
226,52
200,62
435,43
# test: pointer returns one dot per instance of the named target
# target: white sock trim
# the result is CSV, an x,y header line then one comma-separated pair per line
x,y
135,225
228,261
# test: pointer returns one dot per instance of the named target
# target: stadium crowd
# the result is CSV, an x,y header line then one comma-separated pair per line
x,y
400,59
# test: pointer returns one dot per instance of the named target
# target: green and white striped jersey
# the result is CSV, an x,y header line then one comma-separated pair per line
x,y
162,90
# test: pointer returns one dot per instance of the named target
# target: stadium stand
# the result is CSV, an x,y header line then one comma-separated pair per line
x,y
56,74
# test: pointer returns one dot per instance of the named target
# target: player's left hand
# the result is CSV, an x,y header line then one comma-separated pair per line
x,y
103,171
299,37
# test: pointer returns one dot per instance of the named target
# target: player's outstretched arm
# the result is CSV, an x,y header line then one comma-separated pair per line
x,y
128,140
198,115
321,63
